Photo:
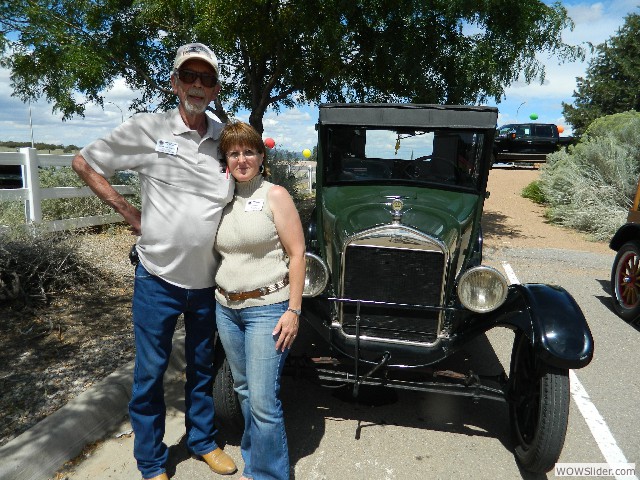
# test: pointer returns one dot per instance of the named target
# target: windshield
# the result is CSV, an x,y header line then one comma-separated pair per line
x,y
415,155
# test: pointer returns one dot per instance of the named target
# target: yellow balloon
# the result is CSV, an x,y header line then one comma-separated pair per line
x,y
306,152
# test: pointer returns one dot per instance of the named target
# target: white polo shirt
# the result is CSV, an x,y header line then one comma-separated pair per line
x,y
183,191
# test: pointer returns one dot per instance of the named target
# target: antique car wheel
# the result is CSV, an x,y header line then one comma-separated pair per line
x,y
228,414
538,408
625,281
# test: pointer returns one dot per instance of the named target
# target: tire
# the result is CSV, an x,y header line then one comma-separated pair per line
x,y
539,400
228,414
625,281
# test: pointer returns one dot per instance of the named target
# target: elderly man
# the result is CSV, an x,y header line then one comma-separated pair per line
x,y
183,192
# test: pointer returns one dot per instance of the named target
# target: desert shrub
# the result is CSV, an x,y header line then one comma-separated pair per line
x,y
34,266
590,187
282,168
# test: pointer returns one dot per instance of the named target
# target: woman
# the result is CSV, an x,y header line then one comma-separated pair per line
x,y
259,296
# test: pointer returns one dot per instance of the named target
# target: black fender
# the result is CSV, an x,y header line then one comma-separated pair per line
x,y
548,316
627,232
558,329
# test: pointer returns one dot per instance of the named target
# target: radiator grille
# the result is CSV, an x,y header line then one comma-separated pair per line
x,y
401,276
393,275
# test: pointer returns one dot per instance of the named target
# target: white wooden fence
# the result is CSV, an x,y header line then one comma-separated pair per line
x,y
304,171
32,195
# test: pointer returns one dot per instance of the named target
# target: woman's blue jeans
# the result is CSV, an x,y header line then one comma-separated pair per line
x,y
156,308
256,365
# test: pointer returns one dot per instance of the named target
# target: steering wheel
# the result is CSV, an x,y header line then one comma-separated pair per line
x,y
428,167
417,168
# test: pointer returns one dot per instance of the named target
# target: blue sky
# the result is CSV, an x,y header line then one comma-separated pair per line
x,y
293,129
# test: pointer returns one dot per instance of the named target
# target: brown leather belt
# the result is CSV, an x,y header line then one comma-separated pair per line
x,y
258,292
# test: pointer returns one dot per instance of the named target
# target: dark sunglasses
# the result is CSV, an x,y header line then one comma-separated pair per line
x,y
189,76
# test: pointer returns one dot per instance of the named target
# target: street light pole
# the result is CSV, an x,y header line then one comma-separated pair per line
x,y
121,114
31,124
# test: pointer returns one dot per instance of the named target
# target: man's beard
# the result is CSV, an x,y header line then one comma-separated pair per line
x,y
192,108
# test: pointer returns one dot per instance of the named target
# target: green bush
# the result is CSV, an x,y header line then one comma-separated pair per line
x,y
590,187
534,193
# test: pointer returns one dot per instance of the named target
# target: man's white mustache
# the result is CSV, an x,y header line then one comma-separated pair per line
x,y
198,92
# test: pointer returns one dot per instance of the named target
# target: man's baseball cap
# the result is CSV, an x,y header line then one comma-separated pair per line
x,y
195,51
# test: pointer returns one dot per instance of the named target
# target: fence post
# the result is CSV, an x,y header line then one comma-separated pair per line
x,y
33,205
310,173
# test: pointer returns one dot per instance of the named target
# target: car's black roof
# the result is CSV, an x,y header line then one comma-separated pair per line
x,y
408,115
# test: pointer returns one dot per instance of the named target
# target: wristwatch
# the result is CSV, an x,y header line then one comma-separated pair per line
x,y
296,311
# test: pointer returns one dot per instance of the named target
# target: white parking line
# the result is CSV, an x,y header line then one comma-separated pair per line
x,y
511,275
595,422
597,425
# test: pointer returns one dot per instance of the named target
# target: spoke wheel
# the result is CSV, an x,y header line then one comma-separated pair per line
x,y
625,281
538,408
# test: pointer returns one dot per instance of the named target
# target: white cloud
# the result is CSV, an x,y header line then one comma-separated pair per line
x,y
595,23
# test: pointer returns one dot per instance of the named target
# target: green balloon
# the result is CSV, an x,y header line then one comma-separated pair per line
x,y
533,116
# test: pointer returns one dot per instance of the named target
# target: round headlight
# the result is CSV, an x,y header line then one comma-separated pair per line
x,y
316,276
482,289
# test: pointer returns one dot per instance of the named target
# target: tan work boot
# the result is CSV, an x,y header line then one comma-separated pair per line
x,y
162,476
220,462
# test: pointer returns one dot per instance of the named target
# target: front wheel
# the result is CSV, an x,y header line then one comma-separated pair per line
x,y
625,281
538,407
228,414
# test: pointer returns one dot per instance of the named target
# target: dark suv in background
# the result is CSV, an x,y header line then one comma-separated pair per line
x,y
529,138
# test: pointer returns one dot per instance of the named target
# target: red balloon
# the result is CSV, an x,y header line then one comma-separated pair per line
x,y
269,142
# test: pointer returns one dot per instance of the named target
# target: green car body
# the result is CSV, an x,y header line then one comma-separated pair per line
x,y
397,224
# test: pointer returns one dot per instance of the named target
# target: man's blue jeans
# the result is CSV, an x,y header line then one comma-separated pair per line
x,y
156,308
256,365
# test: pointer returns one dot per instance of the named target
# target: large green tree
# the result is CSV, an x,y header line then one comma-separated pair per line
x,y
279,53
612,81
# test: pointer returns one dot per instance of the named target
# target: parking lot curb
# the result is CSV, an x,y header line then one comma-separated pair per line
x,y
43,449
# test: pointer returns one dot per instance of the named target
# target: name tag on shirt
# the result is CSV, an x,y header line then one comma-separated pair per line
x,y
164,146
254,205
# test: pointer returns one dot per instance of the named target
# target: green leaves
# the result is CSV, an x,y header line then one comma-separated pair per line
x,y
611,84
281,53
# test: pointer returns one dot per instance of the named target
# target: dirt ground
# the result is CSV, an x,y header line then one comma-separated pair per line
x,y
51,354
49,357
511,221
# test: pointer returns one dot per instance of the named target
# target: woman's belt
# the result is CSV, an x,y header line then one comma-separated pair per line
x,y
258,292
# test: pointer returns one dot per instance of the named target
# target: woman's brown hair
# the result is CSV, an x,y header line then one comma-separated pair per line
x,y
240,133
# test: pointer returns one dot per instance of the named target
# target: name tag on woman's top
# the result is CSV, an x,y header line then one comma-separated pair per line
x,y
254,205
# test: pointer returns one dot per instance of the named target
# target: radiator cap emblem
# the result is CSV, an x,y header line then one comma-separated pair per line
x,y
396,213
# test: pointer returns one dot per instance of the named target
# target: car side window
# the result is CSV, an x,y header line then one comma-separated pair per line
x,y
544,131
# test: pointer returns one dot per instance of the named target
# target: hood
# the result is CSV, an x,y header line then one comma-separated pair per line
x,y
441,214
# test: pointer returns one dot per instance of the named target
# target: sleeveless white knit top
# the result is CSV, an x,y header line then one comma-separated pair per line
x,y
251,254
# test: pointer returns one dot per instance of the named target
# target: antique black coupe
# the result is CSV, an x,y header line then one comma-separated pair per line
x,y
395,282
